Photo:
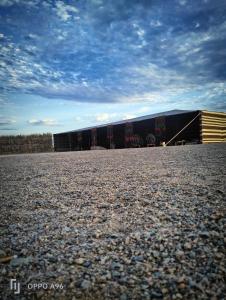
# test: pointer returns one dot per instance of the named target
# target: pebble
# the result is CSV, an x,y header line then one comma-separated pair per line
x,y
80,261
117,266
204,234
179,254
182,286
188,246
2,253
156,295
138,258
87,263
156,254
86,284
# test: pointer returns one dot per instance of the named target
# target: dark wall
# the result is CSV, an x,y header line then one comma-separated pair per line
x,y
74,141
119,136
143,128
86,140
175,123
102,137
61,142
171,126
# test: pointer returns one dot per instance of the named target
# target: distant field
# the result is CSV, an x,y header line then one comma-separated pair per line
x,y
143,223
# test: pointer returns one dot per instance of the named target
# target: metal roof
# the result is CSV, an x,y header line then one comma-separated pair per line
x,y
152,116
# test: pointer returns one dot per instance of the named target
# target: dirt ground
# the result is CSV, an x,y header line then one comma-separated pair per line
x,y
114,224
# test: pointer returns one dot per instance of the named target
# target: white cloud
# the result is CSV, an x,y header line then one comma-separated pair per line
x,y
103,117
128,116
155,23
140,32
32,36
149,97
64,11
23,2
8,2
144,109
45,122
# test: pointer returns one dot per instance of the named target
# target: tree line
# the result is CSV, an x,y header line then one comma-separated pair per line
x,y
33,143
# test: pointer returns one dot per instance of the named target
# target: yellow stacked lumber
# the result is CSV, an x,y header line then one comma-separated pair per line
x,y
213,127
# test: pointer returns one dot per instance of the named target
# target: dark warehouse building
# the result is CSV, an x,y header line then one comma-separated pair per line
x,y
170,128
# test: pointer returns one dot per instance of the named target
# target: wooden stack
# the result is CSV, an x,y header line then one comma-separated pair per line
x,y
213,127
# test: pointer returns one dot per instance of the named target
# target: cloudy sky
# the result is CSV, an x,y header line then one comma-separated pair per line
x,y
71,64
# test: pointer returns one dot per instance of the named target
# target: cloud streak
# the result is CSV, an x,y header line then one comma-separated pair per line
x,y
44,122
4,122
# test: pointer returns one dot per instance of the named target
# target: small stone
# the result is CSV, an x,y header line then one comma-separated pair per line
x,y
24,251
127,240
164,254
138,258
157,295
182,285
86,284
123,297
155,254
187,246
215,234
161,248
219,255
2,253
87,264
179,254
103,260
192,254
179,296
166,261
116,274
165,291
145,202
97,234
181,279
117,266
204,234
80,261
104,277
52,259
66,229
137,236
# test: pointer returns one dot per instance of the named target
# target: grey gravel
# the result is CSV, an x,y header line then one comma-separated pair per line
x,y
120,224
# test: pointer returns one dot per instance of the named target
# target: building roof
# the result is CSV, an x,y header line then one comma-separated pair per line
x,y
151,116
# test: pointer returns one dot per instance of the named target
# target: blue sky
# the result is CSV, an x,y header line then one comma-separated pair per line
x,y
65,65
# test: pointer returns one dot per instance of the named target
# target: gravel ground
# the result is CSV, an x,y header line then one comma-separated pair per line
x,y
122,224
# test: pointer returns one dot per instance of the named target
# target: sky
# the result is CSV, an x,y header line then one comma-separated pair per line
x,y
66,65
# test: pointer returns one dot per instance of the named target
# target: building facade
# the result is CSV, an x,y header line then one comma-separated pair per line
x,y
171,127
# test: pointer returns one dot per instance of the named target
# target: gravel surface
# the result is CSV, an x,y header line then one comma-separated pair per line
x,y
121,224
